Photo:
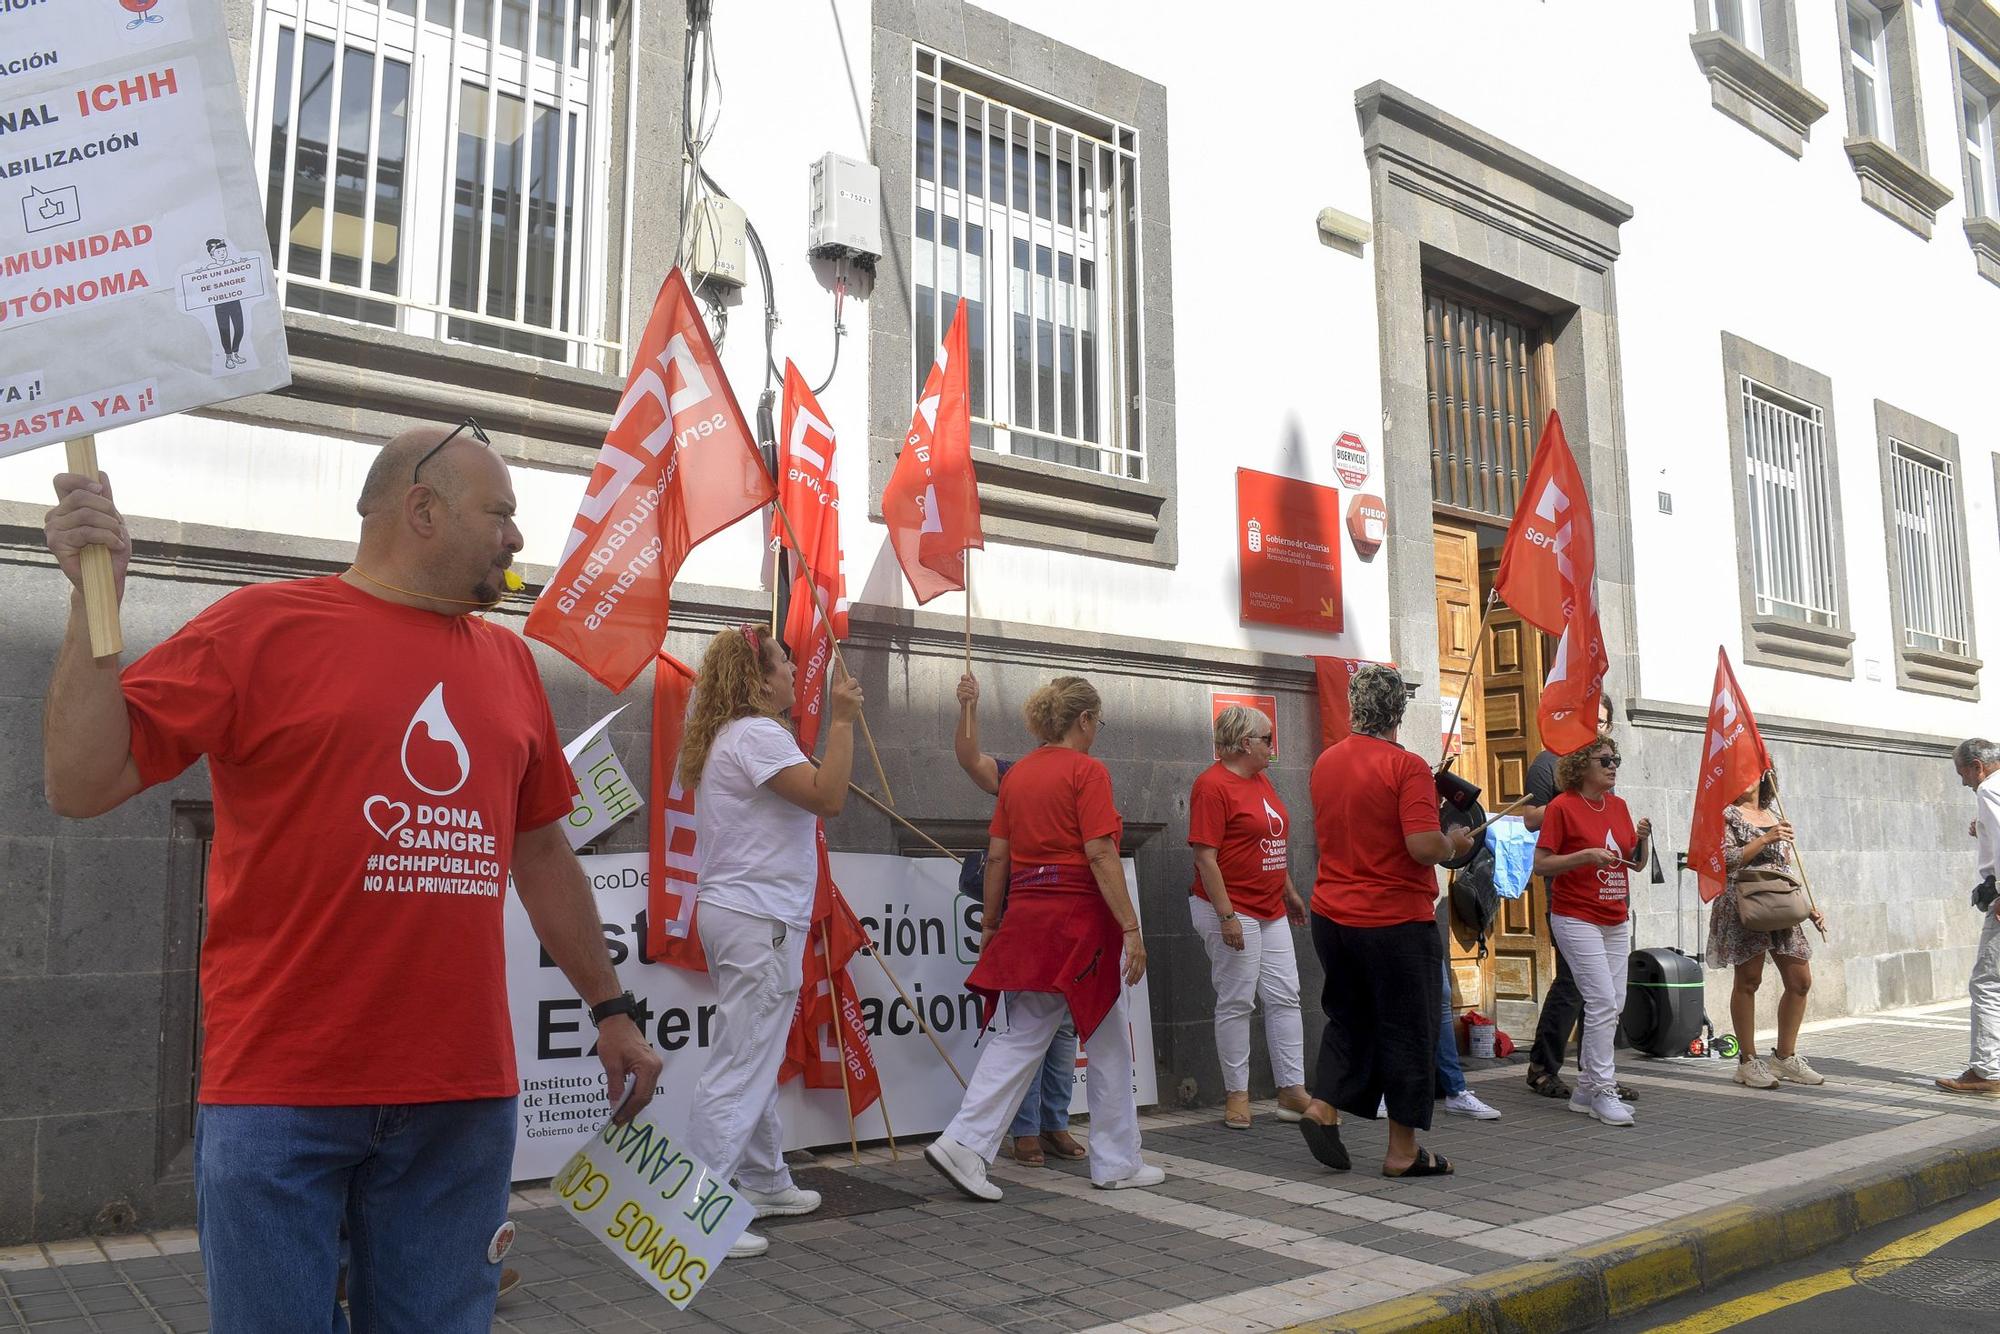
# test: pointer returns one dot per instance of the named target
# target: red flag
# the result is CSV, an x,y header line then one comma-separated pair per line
x,y
811,497
812,1049
678,464
931,503
1548,573
673,864
1733,759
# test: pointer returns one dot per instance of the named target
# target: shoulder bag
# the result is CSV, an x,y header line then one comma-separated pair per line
x,y
1770,898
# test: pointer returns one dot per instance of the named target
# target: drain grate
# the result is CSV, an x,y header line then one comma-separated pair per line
x,y
1960,1285
844,1195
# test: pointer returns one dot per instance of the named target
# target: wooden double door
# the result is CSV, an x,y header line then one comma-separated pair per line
x,y
1497,739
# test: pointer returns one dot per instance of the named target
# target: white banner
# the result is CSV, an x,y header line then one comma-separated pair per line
x,y
929,936
132,240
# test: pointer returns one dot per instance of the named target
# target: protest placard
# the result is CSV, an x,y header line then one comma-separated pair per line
x,y
653,1205
135,278
605,794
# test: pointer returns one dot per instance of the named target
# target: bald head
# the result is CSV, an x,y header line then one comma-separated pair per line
x,y
450,532
390,476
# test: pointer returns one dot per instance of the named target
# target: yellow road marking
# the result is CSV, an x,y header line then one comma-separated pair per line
x,y
1885,1260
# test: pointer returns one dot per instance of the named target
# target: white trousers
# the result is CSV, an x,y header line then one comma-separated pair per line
x,y
1600,960
1985,990
733,1127
1267,967
1013,1058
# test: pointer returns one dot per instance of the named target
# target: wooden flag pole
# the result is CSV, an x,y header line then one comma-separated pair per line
x,y
1778,803
966,713
882,1102
100,584
877,954
839,1038
819,605
876,802
1471,671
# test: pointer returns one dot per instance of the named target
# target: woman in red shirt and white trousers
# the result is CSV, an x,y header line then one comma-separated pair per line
x,y
1374,925
1068,943
1588,843
758,803
1244,908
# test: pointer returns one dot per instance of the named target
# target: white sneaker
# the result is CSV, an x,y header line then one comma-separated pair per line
x,y
1147,1175
1607,1108
1468,1104
1754,1074
1795,1069
747,1245
1382,1110
962,1168
787,1203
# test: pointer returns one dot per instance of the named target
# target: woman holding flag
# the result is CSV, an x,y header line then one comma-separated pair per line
x,y
1069,944
1754,835
1588,844
758,803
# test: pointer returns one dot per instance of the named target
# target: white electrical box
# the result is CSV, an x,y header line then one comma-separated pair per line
x,y
721,242
846,219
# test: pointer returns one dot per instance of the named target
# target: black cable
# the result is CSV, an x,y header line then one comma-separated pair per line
x,y
763,272
839,334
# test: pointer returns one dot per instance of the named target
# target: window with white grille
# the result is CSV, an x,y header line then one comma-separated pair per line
x,y
1923,496
445,174
1028,208
1794,555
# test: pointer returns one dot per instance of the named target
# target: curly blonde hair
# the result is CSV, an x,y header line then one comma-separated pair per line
x,y
731,686
1054,709
1571,768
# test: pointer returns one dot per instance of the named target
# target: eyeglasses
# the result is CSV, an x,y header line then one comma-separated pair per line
x,y
1264,737
467,425
1609,761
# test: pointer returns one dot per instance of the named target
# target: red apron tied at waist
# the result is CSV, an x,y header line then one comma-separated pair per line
x,y
1055,935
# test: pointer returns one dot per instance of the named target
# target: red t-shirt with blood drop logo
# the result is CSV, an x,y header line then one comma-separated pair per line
x,y
1243,819
371,765
1589,893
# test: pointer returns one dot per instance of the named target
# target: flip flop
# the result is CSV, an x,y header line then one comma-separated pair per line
x,y
1427,1164
1063,1144
1324,1142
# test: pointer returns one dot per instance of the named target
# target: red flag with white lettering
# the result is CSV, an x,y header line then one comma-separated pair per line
x,y
812,1049
931,503
1548,573
807,490
1733,760
678,464
673,863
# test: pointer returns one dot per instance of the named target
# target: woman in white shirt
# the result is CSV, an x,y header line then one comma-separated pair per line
x,y
758,802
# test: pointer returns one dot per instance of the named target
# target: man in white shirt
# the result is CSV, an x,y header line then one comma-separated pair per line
x,y
1978,763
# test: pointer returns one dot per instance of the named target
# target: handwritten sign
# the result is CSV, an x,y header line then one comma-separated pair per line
x,y
134,264
654,1206
605,794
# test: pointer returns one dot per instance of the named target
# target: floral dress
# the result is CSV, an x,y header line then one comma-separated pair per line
x,y
1729,942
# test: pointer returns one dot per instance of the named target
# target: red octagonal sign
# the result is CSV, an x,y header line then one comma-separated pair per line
x,y
1350,460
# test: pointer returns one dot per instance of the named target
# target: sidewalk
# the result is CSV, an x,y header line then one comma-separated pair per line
x,y
1549,1211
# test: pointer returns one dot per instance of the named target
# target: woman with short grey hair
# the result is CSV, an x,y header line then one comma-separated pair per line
x,y
1240,901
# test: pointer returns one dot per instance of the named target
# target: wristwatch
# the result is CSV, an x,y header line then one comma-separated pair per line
x,y
623,1003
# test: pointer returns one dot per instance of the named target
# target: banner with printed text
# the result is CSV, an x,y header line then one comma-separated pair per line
x,y
135,275
928,935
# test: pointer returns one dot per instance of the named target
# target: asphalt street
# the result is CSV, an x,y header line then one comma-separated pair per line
x,y
1937,1272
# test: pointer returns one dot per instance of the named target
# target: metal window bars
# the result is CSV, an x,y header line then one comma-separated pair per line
x,y
1794,561
1028,208
1929,550
389,204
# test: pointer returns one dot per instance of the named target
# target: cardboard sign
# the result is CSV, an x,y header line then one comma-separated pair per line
x,y
1288,551
133,253
653,1205
1367,525
1264,704
1350,460
607,795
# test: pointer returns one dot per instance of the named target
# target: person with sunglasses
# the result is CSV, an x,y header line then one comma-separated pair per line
x,y
382,760
1587,847
1244,907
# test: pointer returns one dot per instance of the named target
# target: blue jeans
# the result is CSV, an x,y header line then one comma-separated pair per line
x,y
1046,1106
421,1189
1449,1072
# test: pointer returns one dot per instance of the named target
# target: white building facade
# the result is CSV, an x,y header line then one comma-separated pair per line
x,y
1750,249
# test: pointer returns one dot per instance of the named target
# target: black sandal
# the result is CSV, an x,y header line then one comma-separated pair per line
x,y
1324,1141
1428,1164
1626,1094
1547,1083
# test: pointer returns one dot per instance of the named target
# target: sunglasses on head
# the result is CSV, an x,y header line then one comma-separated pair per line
x,y
467,425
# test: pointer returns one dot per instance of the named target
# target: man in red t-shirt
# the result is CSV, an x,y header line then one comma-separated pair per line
x,y
380,761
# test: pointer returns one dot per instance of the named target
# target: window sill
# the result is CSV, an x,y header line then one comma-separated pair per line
x,y
1774,641
1756,93
360,381
1976,18
1933,672
1984,236
1897,186
1034,503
